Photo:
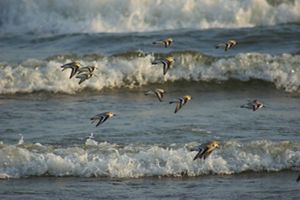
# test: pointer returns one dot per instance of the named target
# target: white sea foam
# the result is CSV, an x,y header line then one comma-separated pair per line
x,y
114,72
64,16
109,160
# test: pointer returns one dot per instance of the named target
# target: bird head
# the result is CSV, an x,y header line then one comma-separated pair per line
x,y
188,97
215,144
170,59
77,64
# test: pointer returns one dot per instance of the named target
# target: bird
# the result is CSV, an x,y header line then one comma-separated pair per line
x,y
90,140
167,63
74,66
158,92
91,136
102,117
298,179
181,102
166,42
83,77
227,45
21,140
253,105
205,150
87,69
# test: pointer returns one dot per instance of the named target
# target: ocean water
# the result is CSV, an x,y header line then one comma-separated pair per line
x,y
46,148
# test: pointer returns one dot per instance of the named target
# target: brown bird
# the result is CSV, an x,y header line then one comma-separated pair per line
x,y
181,102
74,66
253,105
167,63
158,92
83,77
167,42
87,69
205,150
227,45
102,117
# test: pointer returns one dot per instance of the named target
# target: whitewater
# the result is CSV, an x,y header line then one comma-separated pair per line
x,y
104,159
116,72
63,16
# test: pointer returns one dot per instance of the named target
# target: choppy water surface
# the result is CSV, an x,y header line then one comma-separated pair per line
x,y
144,152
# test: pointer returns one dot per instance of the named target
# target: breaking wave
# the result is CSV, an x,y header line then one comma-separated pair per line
x,y
104,159
135,70
63,16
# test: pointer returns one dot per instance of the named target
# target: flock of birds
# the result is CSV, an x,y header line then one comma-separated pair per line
x,y
204,150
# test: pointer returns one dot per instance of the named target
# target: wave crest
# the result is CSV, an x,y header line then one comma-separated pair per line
x,y
62,16
134,71
133,161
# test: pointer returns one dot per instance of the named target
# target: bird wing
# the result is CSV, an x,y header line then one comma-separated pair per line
x,y
201,152
206,154
83,77
179,104
166,66
159,95
101,119
227,46
166,43
66,66
74,71
83,70
104,118
254,107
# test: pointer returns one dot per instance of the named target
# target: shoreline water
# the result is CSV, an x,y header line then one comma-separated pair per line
x,y
275,185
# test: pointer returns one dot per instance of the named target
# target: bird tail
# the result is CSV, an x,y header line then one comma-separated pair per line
x,y
155,62
220,45
157,42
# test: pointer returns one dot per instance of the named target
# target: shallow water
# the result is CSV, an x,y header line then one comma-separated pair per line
x,y
245,186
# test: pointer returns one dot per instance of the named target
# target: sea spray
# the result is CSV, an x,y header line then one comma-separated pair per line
x,y
134,71
137,160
